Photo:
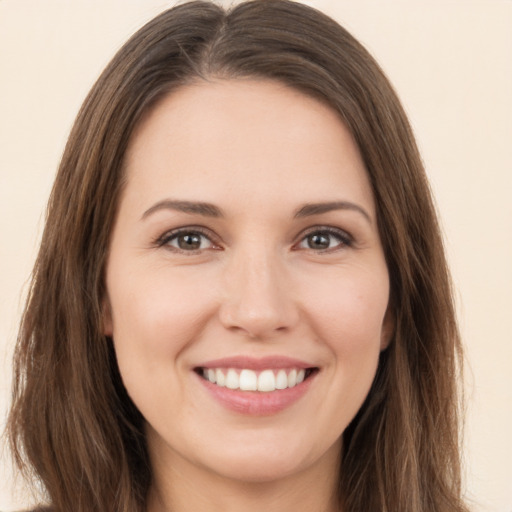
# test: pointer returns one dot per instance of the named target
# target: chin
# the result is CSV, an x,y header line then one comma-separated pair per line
x,y
258,470
264,464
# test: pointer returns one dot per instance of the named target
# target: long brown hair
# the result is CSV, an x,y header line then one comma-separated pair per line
x,y
72,425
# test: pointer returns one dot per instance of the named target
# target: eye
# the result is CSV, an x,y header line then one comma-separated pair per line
x,y
325,239
186,240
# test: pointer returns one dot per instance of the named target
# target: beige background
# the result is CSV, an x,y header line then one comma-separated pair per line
x,y
451,62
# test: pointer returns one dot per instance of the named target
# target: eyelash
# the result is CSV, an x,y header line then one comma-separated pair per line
x,y
169,236
344,239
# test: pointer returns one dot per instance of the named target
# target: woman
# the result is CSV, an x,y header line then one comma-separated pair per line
x,y
247,304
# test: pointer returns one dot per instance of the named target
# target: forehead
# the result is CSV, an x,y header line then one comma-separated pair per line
x,y
241,136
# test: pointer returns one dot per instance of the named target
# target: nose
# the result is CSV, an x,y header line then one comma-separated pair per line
x,y
258,297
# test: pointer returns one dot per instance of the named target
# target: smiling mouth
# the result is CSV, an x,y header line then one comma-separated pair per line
x,y
249,380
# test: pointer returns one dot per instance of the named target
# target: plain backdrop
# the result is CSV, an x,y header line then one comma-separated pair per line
x,y
451,63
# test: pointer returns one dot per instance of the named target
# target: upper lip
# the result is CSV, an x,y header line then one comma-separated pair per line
x,y
254,363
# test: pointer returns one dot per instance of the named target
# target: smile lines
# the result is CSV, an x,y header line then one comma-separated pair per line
x,y
249,380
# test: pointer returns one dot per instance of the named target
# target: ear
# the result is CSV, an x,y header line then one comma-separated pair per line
x,y
106,318
388,328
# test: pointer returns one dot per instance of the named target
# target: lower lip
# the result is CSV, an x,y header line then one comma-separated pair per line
x,y
257,403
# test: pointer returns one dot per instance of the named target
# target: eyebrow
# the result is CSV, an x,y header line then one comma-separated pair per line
x,y
198,208
311,209
210,210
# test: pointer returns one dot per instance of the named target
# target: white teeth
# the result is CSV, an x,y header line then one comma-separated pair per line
x,y
292,378
220,379
281,380
267,381
249,380
232,379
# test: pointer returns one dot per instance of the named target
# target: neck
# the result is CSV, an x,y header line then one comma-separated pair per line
x,y
187,488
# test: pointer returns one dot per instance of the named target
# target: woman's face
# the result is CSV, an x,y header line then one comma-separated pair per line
x,y
247,291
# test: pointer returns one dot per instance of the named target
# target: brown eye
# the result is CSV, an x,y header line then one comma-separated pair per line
x,y
318,241
325,239
187,241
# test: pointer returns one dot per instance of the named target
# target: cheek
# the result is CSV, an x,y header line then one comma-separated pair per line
x,y
155,318
155,315
348,312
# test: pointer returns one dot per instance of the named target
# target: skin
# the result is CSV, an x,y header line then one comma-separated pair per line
x,y
257,285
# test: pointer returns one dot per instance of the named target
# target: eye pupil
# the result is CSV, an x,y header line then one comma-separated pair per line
x,y
318,241
189,241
